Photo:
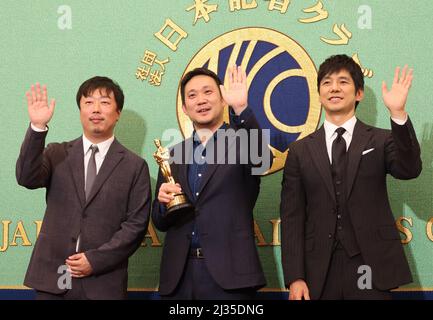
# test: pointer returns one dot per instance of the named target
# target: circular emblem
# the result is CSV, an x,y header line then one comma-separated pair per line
x,y
281,81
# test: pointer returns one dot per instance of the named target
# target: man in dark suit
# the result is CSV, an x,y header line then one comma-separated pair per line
x,y
210,252
339,239
98,198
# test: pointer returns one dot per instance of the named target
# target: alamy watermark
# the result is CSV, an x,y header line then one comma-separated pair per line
x,y
225,146
65,279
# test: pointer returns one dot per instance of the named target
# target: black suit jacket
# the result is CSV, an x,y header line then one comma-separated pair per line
x,y
308,205
111,223
224,217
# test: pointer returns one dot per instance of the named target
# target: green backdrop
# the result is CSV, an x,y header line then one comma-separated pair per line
x,y
63,43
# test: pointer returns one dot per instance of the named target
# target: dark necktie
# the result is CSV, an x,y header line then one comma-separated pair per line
x,y
339,153
91,170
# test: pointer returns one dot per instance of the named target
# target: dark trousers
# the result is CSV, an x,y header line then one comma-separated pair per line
x,y
342,279
198,284
75,293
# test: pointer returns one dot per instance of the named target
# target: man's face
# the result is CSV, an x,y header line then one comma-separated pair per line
x,y
98,114
337,93
203,102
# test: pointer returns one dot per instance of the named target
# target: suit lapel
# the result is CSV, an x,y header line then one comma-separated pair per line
x,y
113,157
317,147
75,160
361,136
220,159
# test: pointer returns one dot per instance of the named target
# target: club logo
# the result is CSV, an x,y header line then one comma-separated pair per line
x,y
281,83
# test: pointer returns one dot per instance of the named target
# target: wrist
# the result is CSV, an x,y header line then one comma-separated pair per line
x,y
239,109
400,115
39,126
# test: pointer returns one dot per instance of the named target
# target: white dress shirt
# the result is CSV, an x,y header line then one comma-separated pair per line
x,y
99,159
99,156
349,125
331,135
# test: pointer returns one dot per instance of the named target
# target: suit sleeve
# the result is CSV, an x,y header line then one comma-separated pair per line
x,y
259,156
292,211
33,168
131,233
402,152
159,218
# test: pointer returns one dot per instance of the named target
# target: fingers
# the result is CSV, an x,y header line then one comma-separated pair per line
x,y
237,75
75,256
73,263
403,74
243,75
407,82
76,272
396,73
33,92
223,92
44,93
29,98
165,198
38,92
406,76
295,296
384,88
167,191
52,105
298,290
170,188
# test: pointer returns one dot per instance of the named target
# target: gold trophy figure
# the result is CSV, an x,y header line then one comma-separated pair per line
x,y
180,201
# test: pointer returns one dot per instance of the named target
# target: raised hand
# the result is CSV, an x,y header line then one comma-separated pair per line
x,y
395,99
40,112
236,95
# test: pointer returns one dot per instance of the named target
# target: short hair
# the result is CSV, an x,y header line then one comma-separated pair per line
x,y
197,72
340,62
110,86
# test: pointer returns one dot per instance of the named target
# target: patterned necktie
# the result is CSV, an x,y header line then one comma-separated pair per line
x,y
91,170
339,153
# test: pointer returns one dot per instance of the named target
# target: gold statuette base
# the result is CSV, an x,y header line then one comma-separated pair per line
x,y
178,204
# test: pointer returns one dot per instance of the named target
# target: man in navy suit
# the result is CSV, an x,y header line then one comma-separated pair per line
x,y
336,221
210,252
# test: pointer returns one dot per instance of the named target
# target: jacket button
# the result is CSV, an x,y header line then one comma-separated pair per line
x,y
330,235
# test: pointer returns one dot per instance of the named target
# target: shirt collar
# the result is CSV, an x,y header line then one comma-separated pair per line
x,y
102,146
196,140
330,128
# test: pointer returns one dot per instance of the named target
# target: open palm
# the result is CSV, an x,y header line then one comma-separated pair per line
x,y
236,95
395,99
40,112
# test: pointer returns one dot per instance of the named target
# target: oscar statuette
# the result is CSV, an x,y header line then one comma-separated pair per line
x,y
180,202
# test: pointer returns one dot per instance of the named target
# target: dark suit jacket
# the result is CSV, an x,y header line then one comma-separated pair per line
x,y
224,217
308,218
111,223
